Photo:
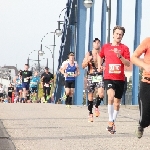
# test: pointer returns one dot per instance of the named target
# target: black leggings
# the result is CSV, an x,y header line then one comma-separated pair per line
x,y
144,104
46,91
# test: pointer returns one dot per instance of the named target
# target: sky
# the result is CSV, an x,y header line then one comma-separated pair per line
x,y
23,23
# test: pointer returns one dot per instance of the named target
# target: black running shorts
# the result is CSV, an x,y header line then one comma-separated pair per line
x,y
70,84
116,85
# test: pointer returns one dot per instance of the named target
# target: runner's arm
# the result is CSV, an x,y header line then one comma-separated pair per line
x,y
85,61
14,80
52,79
100,57
63,69
141,49
77,73
60,69
78,70
126,58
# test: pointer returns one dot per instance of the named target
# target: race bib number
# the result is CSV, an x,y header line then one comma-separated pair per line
x,y
115,68
97,79
25,80
46,85
34,83
70,74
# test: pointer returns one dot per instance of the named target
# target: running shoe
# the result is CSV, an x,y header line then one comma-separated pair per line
x,y
111,128
139,131
97,113
90,118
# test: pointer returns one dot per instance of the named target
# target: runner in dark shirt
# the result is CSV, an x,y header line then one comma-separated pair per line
x,y
10,91
46,79
26,76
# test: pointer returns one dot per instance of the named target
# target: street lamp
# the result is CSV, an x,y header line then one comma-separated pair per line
x,y
58,31
40,52
53,49
88,3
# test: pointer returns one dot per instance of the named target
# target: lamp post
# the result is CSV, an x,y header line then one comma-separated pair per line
x,y
58,30
53,49
40,53
109,19
51,54
42,40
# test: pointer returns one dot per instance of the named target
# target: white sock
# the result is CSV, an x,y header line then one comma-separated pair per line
x,y
115,114
110,112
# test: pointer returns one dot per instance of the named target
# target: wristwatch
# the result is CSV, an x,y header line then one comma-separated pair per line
x,y
120,56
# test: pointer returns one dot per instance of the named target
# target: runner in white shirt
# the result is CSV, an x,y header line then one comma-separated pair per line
x,y
64,63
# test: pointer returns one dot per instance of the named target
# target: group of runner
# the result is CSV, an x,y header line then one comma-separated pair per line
x,y
106,70
25,86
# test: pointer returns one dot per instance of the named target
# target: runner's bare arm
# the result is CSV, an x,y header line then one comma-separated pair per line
x,y
14,80
100,57
60,69
77,71
126,62
86,60
99,60
63,69
126,56
141,49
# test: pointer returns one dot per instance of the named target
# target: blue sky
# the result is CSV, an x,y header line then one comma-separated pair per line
x,y
23,23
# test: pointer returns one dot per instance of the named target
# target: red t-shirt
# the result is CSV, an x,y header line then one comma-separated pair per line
x,y
114,68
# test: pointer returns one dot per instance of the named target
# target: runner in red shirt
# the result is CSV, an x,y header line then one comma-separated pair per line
x,y
116,56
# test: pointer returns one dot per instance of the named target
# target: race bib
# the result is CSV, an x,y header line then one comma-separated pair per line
x,y
70,74
25,80
10,90
34,83
97,79
115,68
46,85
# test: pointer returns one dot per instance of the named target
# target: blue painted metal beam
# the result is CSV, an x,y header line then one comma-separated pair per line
x,y
72,38
90,42
80,51
103,23
135,77
119,13
103,28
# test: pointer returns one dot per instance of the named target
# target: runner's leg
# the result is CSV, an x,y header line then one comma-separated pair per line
x,y
144,107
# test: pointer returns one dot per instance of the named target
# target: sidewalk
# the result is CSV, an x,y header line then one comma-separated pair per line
x,y
55,127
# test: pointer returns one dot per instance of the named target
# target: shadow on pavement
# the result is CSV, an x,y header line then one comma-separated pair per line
x,y
5,141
